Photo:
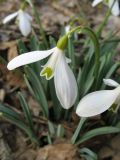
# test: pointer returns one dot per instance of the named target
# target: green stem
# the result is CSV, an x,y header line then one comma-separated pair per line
x,y
105,20
77,131
38,20
95,41
103,24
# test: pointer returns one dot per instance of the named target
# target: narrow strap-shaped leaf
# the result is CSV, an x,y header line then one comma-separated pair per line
x,y
97,132
77,131
37,86
9,111
57,109
26,110
87,152
15,118
51,128
60,131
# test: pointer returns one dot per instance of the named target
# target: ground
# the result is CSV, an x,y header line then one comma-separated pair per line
x,y
54,13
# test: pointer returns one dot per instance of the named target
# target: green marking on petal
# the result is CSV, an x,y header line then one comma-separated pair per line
x,y
47,72
106,1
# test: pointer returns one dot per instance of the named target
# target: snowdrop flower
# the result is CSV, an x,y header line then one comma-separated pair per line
x,y
67,28
115,9
23,19
99,101
65,83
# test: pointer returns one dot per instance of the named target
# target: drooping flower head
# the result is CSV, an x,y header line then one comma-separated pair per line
x,y
97,102
57,67
23,20
115,8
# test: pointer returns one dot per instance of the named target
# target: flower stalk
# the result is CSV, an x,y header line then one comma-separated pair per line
x,y
104,22
38,20
95,41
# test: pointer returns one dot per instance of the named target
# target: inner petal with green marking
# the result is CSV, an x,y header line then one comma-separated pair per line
x,y
106,1
47,72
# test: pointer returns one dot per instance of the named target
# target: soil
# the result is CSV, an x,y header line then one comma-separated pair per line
x,y
13,143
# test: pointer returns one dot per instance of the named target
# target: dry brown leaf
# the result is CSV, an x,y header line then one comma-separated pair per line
x,y
34,106
115,143
63,151
6,45
28,155
5,152
117,156
106,152
16,79
2,94
12,52
63,10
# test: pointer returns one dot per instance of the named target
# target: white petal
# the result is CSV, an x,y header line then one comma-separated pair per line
x,y
49,68
96,102
65,83
111,82
29,57
29,17
10,17
24,23
115,9
67,28
95,2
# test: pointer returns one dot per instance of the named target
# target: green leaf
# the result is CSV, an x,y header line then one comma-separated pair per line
x,y
38,89
26,111
77,131
51,128
88,154
15,118
49,139
98,131
3,61
10,112
60,131
57,109
21,47
34,43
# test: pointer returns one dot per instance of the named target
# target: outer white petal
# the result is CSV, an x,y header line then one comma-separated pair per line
x,y
65,83
10,17
28,16
95,2
24,23
67,28
115,9
29,57
96,102
111,82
